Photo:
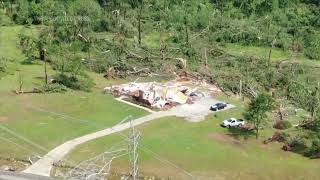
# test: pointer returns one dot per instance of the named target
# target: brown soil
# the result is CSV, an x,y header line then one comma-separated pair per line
x,y
3,119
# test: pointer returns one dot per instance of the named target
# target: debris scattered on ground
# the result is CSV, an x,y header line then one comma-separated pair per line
x,y
11,164
165,95
282,124
278,136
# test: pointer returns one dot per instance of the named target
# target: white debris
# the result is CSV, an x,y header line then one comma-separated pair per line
x,y
163,96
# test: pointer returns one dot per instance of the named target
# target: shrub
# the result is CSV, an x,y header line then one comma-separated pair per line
x,y
82,83
296,144
312,46
314,150
52,88
3,65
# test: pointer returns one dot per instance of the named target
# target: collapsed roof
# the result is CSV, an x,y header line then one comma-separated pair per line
x,y
163,96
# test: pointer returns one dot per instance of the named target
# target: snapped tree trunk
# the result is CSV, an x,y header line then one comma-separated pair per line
x,y
205,57
42,54
20,82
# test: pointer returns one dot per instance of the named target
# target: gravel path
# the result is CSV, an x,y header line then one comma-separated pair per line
x,y
192,112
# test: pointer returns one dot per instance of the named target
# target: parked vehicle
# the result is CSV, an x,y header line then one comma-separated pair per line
x,y
233,122
218,106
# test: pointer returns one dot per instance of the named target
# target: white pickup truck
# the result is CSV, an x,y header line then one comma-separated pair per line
x,y
233,122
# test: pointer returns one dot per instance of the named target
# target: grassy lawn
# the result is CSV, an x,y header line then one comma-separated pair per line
x,y
38,118
277,55
33,115
263,52
205,150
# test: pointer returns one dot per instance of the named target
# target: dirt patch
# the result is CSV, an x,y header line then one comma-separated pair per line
x,y
3,119
225,139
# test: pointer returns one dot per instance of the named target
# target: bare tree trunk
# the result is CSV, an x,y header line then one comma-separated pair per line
x,y
280,113
139,25
205,57
269,58
315,102
187,33
89,49
163,48
240,89
20,82
45,71
11,7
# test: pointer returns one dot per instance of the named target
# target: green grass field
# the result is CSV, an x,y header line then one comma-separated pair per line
x,y
205,150
36,116
263,52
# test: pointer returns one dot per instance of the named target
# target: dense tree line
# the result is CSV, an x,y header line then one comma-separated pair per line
x,y
293,23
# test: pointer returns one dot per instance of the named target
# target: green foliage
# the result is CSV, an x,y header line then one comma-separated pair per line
x,y
314,150
258,107
27,44
297,144
312,44
246,22
3,65
52,88
287,125
82,83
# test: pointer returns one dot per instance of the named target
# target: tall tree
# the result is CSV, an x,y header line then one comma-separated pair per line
x,y
258,107
314,101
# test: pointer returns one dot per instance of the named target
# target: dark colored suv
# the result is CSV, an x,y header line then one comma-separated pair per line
x,y
218,106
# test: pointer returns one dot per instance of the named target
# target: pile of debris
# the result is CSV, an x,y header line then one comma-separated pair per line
x,y
163,96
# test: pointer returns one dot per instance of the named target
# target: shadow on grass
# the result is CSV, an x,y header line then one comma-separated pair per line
x,y
30,61
239,133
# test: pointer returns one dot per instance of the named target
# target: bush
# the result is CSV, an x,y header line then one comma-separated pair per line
x,y
53,88
3,64
296,144
312,53
312,46
314,150
82,83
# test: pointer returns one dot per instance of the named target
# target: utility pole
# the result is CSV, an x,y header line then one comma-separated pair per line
x,y
133,152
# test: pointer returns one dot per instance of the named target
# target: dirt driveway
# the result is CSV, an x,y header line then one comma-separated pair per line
x,y
198,111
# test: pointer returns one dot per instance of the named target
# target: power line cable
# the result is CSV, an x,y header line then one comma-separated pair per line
x,y
19,145
155,155
23,138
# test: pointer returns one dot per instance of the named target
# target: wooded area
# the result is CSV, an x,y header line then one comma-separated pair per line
x,y
167,37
